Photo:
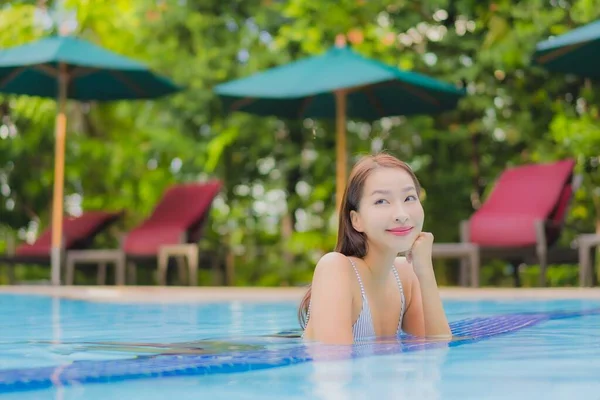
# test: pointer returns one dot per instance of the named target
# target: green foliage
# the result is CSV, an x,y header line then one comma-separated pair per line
x,y
124,155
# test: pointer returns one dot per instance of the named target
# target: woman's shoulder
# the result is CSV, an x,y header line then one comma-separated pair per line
x,y
331,274
332,267
332,263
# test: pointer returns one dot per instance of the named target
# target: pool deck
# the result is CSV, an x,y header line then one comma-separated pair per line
x,y
178,294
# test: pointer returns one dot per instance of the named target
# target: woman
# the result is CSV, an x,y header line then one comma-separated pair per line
x,y
363,289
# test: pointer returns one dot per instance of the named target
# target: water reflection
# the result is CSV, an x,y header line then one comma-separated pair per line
x,y
349,372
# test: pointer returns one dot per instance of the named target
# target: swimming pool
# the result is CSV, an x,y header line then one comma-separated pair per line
x,y
552,359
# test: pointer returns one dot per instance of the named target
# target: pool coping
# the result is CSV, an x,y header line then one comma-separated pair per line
x,y
183,294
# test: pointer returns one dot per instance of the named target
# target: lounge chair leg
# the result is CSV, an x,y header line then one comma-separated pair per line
x,y
70,271
589,245
584,265
120,272
541,250
474,261
593,271
101,275
193,266
543,260
163,263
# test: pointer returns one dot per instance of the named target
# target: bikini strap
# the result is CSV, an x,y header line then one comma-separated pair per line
x,y
362,288
402,298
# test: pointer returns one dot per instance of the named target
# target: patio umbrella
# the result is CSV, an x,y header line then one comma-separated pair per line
x,y
576,52
339,83
62,68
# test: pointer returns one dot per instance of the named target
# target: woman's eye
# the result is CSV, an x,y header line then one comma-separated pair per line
x,y
381,201
411,198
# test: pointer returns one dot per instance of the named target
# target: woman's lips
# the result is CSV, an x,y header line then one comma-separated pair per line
x,y
400,231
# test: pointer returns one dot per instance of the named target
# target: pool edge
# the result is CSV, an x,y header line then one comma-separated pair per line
x,y
182,294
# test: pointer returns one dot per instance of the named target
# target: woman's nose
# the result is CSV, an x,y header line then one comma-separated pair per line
x,y
401,219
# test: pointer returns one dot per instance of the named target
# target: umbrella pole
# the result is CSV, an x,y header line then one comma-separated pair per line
x,y
59,166
340,122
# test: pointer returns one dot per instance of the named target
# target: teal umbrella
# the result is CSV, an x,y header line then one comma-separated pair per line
x,y
340,83
69,68
576,52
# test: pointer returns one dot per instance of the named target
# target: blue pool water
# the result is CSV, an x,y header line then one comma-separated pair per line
x,y
551,359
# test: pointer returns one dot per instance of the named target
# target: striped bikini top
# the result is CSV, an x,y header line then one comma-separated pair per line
x,y
363,328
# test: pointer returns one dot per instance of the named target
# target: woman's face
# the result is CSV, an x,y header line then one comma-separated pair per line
x,y
390,213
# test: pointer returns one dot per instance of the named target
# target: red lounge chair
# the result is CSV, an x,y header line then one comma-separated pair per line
x,y
173,228
78,233
523,216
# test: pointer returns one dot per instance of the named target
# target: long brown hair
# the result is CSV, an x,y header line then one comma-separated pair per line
x,y
350,242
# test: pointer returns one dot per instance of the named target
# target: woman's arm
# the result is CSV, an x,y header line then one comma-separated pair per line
x,y
434,316
413,322
331,302
425,314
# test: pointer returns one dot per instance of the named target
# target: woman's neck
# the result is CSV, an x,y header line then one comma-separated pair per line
x,y
379,263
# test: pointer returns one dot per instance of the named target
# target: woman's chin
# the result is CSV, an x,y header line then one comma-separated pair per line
x,y
402,251
405,244
398,244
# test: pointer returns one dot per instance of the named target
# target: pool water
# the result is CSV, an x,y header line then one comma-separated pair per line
x,y
553,359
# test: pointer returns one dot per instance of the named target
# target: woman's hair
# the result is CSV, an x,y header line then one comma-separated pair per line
x,y
350,242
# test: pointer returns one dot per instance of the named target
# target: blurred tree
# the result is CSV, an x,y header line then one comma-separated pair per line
x,y
275,216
